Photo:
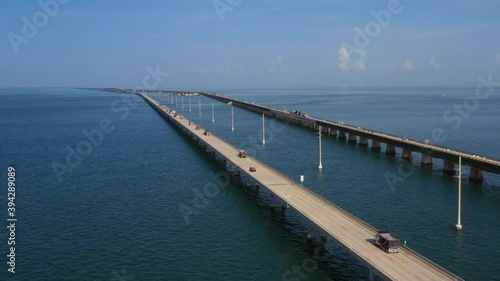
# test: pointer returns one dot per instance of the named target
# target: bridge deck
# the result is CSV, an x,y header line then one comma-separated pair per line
x,y
485,163
349,231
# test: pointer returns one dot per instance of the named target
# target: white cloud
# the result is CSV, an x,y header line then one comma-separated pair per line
x,y
359,64
407,65
277,65
344,60
435,65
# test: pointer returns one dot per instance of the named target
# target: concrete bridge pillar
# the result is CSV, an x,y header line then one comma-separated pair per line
x,y
449,168
278,202
376,145
326,131
310,233
315,231
476,175
426,160
363,141
407,154
333,132
352,138
342,135
390,150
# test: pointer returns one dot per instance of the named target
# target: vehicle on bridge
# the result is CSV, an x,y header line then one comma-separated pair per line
x,y
387,242
252,169
242,154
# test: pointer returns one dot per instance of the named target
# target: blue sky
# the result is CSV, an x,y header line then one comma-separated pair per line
x,y
214,44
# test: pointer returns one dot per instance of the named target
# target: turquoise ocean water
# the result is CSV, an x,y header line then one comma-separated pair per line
x,y
117,212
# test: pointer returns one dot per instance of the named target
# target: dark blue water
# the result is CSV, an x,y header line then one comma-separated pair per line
x,y
130,208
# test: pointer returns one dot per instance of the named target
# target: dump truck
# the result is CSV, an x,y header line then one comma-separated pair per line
x,y
242,154
387,242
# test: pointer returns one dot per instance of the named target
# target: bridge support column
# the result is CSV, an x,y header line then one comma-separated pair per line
x,y
407,154
278,202
376,145
390,150
333,132
448,168
476,175
342,135
363,141
315,231
309,231
426,160
352,138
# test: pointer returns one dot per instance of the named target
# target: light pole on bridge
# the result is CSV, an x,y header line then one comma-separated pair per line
x,y
232,117
263,130
320,166
213,113
458,226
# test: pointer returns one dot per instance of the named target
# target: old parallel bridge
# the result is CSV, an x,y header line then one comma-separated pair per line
x,y
354,134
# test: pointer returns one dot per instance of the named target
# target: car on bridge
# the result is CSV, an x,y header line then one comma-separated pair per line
x,y
242,154
252,169
385,241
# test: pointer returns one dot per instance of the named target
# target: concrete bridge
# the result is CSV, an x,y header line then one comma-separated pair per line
x,y
354,235
163,92
354,134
